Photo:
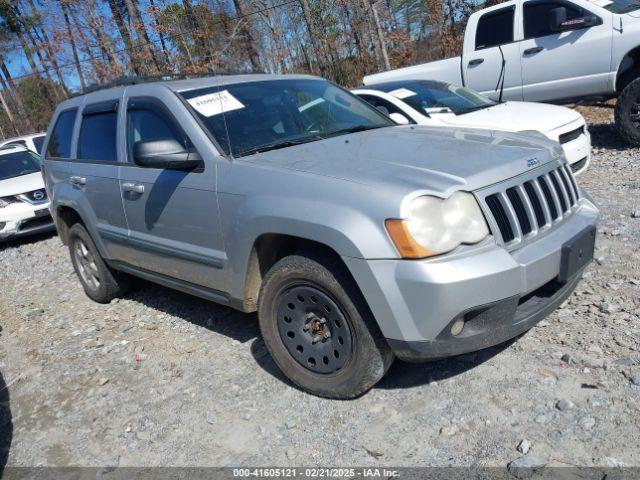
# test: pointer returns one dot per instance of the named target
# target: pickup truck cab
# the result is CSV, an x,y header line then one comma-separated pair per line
x,y
430,102
356,240
547,50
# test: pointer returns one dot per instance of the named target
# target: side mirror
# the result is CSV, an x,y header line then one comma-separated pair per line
x,y
164,153
558,16
559,23
383,109
399,118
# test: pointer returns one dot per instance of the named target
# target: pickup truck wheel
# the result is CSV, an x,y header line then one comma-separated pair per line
x,y
319,330
100,283
627,113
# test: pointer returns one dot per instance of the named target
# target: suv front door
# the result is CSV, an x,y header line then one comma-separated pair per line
x,y
172,214
551,61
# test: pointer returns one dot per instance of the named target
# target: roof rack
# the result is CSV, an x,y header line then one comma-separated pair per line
x,y
135,80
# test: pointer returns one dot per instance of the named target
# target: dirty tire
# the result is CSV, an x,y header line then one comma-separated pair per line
x,y
370,356
110,283
627,113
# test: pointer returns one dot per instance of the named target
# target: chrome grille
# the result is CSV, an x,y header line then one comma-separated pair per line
x,y
522,209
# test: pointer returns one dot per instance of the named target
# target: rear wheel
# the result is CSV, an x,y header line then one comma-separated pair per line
x,y
319,330
101,283
627,112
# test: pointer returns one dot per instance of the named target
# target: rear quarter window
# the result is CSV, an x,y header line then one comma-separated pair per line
x,y
60,142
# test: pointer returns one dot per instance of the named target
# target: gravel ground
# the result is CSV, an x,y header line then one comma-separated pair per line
x,y
161,378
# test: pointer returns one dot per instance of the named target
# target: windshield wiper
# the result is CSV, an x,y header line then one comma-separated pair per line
x,y
357,128
277,145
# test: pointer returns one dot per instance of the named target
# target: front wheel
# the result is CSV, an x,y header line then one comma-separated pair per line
x,y
627,113
319,330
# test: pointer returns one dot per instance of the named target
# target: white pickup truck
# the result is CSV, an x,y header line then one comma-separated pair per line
x,y
550,51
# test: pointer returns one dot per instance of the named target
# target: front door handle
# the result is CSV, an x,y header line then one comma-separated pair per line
x,y
133,187
79,181
533,51
476,61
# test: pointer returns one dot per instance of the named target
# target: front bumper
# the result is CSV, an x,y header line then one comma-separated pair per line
x,y
22,219
500,294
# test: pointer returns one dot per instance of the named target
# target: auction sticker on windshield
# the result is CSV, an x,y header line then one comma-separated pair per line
x,y
215,103
402,93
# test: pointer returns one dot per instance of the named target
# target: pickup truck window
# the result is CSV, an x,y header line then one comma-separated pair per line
x,y
38,141
98,137
495,28
252,117
537,16
621,6
60,142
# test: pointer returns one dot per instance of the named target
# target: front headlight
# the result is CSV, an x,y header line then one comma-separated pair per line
x,y
434,226
3,203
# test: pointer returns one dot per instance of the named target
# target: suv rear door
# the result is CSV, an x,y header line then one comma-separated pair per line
x,y
172,214
93,174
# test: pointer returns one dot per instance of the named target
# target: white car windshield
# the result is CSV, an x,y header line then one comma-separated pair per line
x,y
252,117
15,164
428,96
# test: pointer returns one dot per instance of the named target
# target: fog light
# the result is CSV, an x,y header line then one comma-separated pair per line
x,y
458,325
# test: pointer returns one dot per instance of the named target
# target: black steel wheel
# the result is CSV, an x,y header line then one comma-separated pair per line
x,y
314,329
627,113
319,329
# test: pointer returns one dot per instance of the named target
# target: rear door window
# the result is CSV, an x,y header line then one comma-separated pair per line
x,y
495,28
97,140
60,142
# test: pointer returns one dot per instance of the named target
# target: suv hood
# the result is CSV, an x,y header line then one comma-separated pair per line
x,y
515,117
21,184
435,158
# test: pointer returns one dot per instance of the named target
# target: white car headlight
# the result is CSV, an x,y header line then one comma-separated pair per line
x,y
434,226
3,203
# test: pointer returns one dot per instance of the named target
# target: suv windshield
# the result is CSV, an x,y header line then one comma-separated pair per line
x,y
253,117
428,96
18,163
618,6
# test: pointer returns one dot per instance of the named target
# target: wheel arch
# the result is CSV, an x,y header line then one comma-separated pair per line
x,y
65,217
628,68
269,248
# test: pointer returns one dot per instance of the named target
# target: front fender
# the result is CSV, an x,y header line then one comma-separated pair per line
x,y
349,231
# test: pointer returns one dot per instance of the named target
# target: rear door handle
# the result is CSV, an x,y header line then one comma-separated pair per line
x,y
80,181
533,51
133,187
476,61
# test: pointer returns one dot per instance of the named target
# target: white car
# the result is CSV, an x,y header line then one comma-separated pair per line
x,y
435,103
30,142
24,206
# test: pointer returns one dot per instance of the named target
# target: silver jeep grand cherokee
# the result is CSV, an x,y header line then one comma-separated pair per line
x,y
354,239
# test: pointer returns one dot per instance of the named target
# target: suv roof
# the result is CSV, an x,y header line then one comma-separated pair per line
x,y
191,83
